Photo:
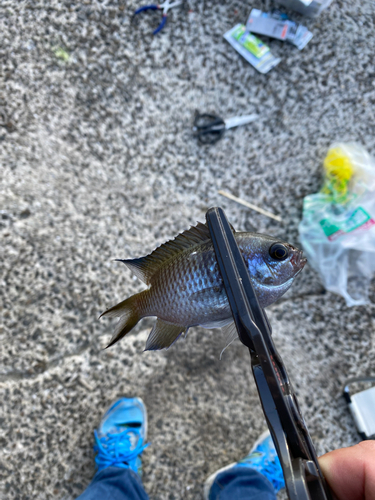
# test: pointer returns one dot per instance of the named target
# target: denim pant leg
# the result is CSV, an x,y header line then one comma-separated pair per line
x,y
115,483
241,483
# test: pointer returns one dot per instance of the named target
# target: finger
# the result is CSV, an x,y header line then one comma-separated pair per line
x,y
350,472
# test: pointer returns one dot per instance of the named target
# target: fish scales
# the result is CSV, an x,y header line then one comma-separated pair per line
x,y
175,289
186,288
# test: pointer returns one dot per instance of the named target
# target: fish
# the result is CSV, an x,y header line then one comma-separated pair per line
x,y
185,288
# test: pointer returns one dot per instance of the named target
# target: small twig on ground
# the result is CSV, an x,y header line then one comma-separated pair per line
x,y
250,205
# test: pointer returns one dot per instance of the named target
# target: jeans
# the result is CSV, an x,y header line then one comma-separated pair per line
x,y
236,483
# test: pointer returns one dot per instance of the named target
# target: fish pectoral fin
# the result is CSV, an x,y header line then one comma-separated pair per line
x,y
231,334
217,324
163,334
206,295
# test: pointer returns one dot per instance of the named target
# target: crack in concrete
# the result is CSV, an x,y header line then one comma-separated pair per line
x,y
16,375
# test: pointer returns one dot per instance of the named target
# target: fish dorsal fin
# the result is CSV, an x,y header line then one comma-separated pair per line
x,y
145,267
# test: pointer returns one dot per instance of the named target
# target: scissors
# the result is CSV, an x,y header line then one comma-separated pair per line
x,y
164,7
210,128
303,477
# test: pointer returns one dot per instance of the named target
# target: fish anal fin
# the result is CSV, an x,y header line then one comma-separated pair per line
x,y
163,334
145,267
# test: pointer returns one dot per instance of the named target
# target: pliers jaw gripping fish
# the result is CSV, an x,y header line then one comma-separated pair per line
x,y
303,477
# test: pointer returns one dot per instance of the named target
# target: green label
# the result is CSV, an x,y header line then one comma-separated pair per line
x,y
334,229
328,227
250,42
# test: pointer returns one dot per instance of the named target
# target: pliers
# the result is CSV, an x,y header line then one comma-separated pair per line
x,y
164,7
303,477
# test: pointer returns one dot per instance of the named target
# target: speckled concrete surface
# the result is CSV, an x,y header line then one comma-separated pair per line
x,y
98,162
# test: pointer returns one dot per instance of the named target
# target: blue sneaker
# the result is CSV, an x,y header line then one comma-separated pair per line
x,y
121,435
263,458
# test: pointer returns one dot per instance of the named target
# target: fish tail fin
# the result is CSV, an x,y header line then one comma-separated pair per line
x,y
129,313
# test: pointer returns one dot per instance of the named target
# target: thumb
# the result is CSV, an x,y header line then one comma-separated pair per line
x,y
350,472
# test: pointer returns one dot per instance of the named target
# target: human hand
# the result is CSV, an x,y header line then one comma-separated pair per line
x,y
350,472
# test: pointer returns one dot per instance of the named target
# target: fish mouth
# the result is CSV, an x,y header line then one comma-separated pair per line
x,y
300,265
298,260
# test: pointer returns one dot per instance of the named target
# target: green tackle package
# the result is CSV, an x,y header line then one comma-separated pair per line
x,y
256,52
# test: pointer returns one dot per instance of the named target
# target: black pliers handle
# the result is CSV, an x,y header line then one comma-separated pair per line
x,y
303,477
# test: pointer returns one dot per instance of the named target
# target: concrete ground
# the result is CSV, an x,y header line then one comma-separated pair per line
x,y
98,162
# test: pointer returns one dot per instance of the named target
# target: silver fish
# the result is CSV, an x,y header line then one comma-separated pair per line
x,y
185,287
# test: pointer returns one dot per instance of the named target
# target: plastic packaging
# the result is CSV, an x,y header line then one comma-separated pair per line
x,y
337,230
251,48
276,24
310,8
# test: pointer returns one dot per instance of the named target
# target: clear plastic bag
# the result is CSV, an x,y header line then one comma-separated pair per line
x,y
337,230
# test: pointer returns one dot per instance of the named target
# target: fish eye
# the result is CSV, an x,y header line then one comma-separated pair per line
x,y
278,251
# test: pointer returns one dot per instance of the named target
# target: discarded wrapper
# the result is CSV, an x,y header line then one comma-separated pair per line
x,y
310,8
255,52
277,25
